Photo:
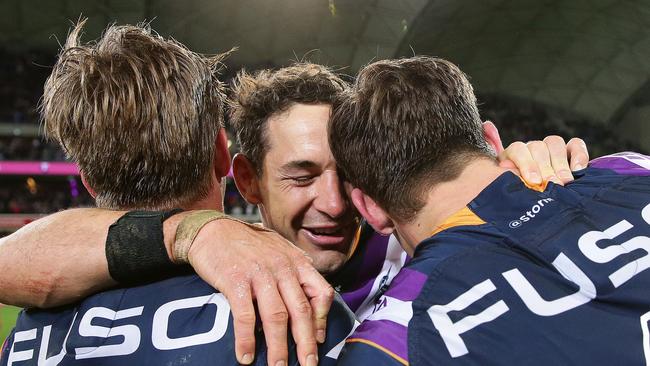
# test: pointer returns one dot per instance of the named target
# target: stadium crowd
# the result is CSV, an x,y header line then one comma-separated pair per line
x,y
21,84
524,120
41,196
29,148
55,194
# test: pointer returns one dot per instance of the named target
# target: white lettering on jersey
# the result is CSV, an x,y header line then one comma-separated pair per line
x,y
45,343
541,307
159,336
26,335
530,214
130,332
449,331
588,245
395,310
645,318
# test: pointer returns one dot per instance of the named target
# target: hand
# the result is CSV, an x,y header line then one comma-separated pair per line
x,y
547,160
254,262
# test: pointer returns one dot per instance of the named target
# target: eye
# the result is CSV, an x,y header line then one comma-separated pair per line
x,y
303,180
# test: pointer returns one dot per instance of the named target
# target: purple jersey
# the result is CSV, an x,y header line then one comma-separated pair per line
x,y
374,262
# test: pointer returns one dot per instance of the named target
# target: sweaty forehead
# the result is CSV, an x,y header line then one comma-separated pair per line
x,y
298,137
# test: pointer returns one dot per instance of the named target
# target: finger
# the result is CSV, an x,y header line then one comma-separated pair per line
x,y
300,313
320,294
559,158
274,318
508,164
243,313
578,154
520,156
540,154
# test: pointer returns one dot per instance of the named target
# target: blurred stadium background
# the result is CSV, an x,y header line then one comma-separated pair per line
x,y
574,68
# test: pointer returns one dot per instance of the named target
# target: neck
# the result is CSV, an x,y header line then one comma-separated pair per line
x,y
213,200
445,199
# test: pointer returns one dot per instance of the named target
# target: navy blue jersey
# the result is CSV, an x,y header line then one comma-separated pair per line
x,y
555,276
178,321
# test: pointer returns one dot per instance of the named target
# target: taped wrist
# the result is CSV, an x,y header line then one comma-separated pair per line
x,y
190,226
135,248
188,229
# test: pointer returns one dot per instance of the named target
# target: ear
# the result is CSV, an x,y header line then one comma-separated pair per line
x,y
492,137
246,179
372,212
90,189
221,155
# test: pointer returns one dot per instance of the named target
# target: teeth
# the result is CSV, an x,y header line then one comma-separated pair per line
x,y
325,231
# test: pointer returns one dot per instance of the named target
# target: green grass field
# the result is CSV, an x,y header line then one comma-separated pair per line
x,y
8,316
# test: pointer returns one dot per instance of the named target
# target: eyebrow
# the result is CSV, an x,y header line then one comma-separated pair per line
x,y
297,164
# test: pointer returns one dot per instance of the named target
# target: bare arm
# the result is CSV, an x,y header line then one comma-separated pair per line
x,y
56,260
61,258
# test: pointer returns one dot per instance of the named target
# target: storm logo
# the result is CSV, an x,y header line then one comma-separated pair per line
x,y
530,214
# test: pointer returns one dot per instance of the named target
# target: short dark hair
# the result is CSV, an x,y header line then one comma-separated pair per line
x,y
139,113
257,97
406,124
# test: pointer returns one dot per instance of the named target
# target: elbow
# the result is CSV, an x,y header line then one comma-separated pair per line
x,y
44,293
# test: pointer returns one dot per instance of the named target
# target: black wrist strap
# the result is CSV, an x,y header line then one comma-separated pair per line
x,y
135,248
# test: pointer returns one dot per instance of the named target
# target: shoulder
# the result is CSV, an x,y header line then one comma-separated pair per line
x,y
448,269
624,163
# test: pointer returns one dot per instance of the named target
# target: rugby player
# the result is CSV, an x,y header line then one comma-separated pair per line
x,y
143,118
502,272
286,168
290,204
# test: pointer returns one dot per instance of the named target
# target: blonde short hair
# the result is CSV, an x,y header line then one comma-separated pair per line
x,y
140,115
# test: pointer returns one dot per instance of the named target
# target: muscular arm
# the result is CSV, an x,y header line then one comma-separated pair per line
x,y
55,260
60,258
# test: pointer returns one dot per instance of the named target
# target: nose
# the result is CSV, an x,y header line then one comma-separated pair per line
x,y
331,200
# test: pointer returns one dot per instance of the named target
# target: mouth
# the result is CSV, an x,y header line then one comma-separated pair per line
x,y
325,236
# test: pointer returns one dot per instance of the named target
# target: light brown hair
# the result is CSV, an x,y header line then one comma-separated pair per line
x,y
257,97
138,113
406,124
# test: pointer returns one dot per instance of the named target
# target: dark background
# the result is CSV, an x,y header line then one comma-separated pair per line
x,y
539,67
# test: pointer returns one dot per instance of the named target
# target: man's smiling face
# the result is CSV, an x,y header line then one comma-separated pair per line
x,y
300,191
